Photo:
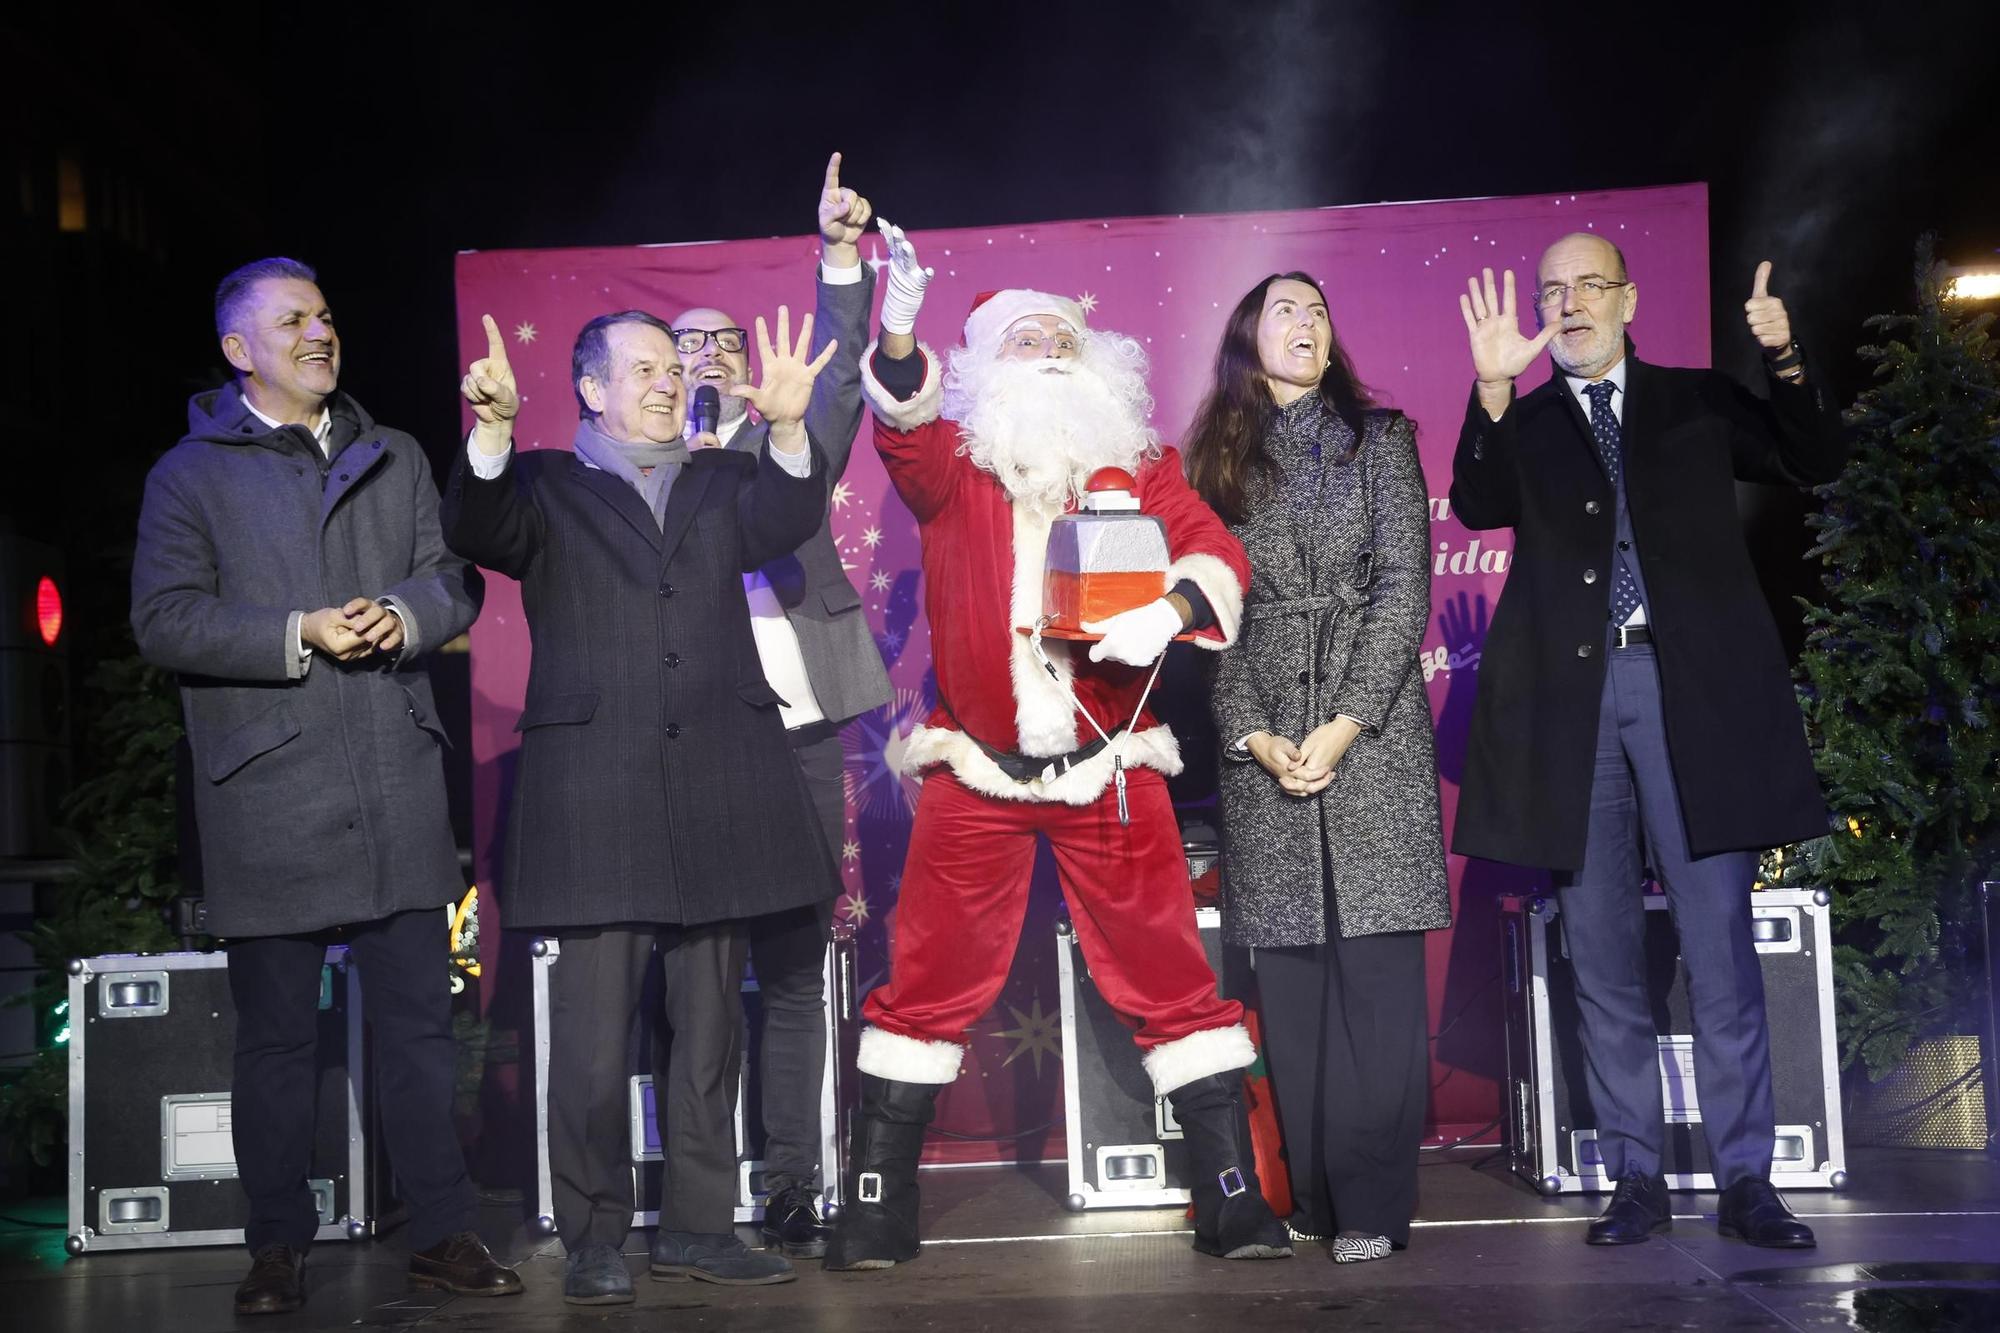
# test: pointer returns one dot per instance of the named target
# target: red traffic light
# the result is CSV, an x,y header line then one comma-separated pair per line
x,y
48,611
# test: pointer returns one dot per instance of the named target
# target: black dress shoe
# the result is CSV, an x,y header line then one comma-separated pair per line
x,y
462,1263
1752,1211
1638,1210
275,1285
792,1224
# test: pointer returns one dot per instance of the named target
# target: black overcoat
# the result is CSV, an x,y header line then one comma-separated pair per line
x,y
654,781
1734,734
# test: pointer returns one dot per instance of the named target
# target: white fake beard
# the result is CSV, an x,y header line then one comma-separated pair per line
x,y
1043,426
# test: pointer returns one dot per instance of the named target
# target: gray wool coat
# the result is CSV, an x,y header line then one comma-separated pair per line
x,y
320,798
1338,600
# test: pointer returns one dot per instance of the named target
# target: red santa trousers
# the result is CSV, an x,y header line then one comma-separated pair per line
x,y
965,893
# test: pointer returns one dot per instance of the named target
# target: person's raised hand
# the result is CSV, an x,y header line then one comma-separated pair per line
x,y
1765,314
843,216
1499,351
782,395
489,387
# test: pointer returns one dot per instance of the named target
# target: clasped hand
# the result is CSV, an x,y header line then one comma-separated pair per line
x,y
1304,769
361,627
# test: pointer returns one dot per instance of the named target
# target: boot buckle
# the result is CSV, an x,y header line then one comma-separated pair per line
x,y
1232,1182
868,1189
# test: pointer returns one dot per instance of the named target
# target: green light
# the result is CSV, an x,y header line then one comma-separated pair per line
x,y
62,1035
62,1007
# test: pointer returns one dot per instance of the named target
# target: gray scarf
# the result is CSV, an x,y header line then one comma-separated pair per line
x,y
625,462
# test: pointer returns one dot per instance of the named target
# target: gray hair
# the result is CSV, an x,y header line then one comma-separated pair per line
x,y
233,292
592,353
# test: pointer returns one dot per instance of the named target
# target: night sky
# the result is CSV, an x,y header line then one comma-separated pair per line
x,y
375,141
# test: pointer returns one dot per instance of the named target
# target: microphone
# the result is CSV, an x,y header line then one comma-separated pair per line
x,y
707,409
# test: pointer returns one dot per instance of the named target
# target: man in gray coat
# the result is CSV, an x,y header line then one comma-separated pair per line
x,y
818,654
290,568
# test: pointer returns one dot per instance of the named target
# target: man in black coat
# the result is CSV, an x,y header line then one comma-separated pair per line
x,y
656,801
818,653
289,567
1635,706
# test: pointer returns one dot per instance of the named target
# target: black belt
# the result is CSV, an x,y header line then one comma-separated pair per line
x,y
1625,636
1025,767
812,733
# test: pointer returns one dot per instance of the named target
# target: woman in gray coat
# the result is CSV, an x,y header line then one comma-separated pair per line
x,y
1333,851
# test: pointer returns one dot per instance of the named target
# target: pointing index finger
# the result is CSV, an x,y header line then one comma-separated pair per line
x,y
1761,287
496,346
833,173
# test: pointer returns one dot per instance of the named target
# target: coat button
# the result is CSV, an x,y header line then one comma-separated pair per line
x,y
1583,650
343,476
1590,576
666,590
1624,546
1591,506
1305,677
673,731
673,659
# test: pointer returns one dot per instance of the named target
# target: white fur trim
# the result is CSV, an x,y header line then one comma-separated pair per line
x,y
891,1055
1197,1055
904,413
1217,582
984,325
1044,714
1154,748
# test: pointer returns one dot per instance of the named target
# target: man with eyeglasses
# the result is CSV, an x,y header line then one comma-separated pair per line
x,y
1635,706
1033,737
817,652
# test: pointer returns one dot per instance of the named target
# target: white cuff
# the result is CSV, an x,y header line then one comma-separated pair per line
x,y
798,465
839,277
301,659
486,466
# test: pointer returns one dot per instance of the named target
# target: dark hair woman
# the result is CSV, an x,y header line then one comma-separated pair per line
x,y
1333,851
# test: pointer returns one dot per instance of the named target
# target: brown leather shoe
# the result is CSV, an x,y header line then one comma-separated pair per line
x,y
274,1285
462,1263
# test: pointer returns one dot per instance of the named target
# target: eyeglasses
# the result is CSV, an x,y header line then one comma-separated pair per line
x,y
689,341
1590,289
1034,340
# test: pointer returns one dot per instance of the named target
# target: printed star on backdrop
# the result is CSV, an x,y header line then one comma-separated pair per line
x,y
892,639
871,538
1089,303
879,581
855,905
842,493
875,260
1036,1034
850,850
525,332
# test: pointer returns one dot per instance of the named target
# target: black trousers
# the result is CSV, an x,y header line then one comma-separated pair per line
x,y
788,952
405,971
595,988
1347,1039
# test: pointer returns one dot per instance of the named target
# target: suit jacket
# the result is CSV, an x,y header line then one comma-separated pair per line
x,y
1738,747
842,661
653,764
320,798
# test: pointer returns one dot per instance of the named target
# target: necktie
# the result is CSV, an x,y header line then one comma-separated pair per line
x,y
1604,431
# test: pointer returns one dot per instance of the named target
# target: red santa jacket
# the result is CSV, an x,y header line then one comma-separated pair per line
x,y
982,557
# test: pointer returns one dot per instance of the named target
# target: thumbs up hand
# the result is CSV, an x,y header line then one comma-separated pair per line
x,y
1765,314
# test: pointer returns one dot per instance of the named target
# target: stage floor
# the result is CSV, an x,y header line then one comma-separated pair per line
x,y
1914,1243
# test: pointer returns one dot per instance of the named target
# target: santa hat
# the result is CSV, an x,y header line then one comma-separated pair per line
x,y
993,313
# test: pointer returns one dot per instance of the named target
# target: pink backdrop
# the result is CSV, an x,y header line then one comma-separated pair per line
x,y
1392,273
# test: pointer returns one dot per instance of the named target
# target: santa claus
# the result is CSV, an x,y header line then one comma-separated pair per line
x,y
1036,737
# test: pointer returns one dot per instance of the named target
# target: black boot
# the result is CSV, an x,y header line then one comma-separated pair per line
x,y
1231,1218
877,1227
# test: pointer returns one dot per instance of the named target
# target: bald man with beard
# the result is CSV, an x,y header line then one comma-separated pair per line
x,y
1635,707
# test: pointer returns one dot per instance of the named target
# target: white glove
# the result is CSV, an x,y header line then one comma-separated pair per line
x,y
907,280
1135,637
